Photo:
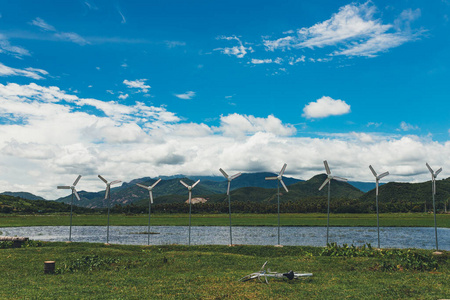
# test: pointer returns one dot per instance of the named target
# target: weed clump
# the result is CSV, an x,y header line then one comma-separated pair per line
x,y
390,259
87,263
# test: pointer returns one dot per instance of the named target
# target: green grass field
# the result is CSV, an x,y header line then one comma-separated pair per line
x,y
314,219
97,271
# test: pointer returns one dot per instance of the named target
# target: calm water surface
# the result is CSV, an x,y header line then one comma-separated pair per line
x,y
390,237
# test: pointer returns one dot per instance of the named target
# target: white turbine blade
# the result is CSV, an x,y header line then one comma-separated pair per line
x,y
339,178
223,173
103,179
157,181
282,183
63,187
195,183
115,181
429,168
107,192
76,194
271,178
182,182
142,186
235,175
283,169
228,189
327,168
437,172
190,196
76,180
383,175
324,183
151,196
373,171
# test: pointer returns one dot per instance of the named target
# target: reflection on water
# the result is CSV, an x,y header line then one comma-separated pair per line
x,y
390,237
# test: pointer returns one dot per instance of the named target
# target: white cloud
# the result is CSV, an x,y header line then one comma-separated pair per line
x,y
7,48
137,84
42,24
255,61
296,60
51,137
186,96
407,127
123,96
72,37
239,51
241,125
28,72
325,107
355,30
65,36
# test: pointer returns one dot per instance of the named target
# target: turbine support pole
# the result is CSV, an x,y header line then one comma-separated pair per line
x,y
328,209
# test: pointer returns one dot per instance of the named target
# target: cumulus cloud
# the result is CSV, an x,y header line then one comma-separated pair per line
x,y
137,84
186,96
27,72
325,107
354,29
241,125
52,136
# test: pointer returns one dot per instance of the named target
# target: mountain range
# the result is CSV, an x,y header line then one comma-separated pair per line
x,y
252,187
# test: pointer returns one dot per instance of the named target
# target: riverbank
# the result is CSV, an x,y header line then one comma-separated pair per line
x,y
313,219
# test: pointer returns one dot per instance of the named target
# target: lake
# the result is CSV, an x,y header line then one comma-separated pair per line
x,y
390,237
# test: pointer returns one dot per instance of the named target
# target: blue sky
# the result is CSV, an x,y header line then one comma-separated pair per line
x,y
148,88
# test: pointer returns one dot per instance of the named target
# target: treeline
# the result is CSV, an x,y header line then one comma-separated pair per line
x,y
310,205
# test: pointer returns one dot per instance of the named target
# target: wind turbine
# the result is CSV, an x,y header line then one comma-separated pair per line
x,y
280,179
377,180
108,197
328,180
229,179
190,187
433,188
149,188
74,191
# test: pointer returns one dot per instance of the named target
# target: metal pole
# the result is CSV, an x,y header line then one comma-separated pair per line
x,y
435,225
378,219
190,218
328,213
70,230
148,229
107,228
278,188
229,210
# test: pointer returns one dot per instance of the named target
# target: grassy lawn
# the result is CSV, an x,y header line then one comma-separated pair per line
x,y
208,272
314,219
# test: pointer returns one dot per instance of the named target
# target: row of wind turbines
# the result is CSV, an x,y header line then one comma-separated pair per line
x,y
279,179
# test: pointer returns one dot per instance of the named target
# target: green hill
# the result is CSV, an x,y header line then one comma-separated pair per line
x,y
23,195
10,204
396,196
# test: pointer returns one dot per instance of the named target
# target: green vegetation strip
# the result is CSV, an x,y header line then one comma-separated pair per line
x,y
313,219
97,271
